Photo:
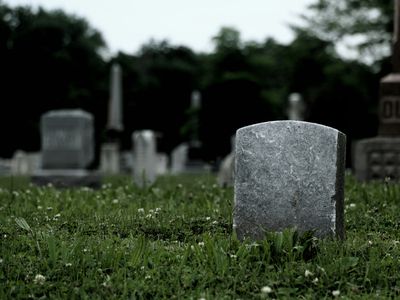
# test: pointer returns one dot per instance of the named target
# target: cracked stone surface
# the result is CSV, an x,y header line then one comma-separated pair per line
x,y
289,174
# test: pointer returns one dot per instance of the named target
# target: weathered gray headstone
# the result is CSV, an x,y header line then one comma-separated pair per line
x,y
67,139
67,149
378,158
144,157
289,174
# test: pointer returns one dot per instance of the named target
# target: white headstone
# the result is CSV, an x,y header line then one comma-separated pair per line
x,y
20,163
144,157
179,157
162,164
296,109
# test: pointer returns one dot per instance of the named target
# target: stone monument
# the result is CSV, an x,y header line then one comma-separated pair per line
x,y
378,158
144,157
289,174
67,138
110,157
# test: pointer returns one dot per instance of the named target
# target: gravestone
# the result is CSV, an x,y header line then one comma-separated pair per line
x,y
67,139
226,173
110,158
378,158
20,163
296,109
179,157
289,174
144,157
162,164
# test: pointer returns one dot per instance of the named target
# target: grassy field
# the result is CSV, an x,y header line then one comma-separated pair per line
x,y
174,240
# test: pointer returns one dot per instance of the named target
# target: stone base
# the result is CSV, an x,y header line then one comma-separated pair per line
x,y
377,158
67,178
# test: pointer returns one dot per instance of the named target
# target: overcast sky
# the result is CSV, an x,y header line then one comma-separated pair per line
x,y
128,24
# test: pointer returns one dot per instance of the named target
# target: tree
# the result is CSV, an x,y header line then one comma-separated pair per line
x,y
368,21
53,61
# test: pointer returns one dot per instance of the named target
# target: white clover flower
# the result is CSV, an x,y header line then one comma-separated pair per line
x,y
39,207
151,211
158,209
370,243
208,219
352,205
68,265
201,244
149,216
39,279
215,222
266,290
233,256
115,201
315,280
308,273
147,277
57,215
1,260
141,210
85,250
49,208
336,293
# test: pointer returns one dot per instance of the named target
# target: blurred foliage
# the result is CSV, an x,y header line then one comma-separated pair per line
x,y
51,60
369,21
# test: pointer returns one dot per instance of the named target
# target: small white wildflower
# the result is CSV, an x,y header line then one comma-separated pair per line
x,y
158,209
142,268
208,219
192,247
39,207
179,186
370,243
149,216
57,216
215,222
315,280
5,236
266,290
151,211
352,205
336,293
201,244
308,273
233,256
68,265
147,277
49,208
1,260
202,298
115,201
141,210
39,279
85,250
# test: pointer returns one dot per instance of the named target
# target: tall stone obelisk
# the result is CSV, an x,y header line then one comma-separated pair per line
x,y
110,151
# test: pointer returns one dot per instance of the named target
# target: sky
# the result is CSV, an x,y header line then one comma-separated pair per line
x,y
128,24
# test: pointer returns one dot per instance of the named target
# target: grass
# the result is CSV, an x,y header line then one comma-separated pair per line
x,y
174,240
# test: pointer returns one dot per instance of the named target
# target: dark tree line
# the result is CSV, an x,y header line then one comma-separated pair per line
x,y
51,60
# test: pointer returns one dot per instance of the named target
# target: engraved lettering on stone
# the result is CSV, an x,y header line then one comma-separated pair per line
x,y
390,109
61,139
